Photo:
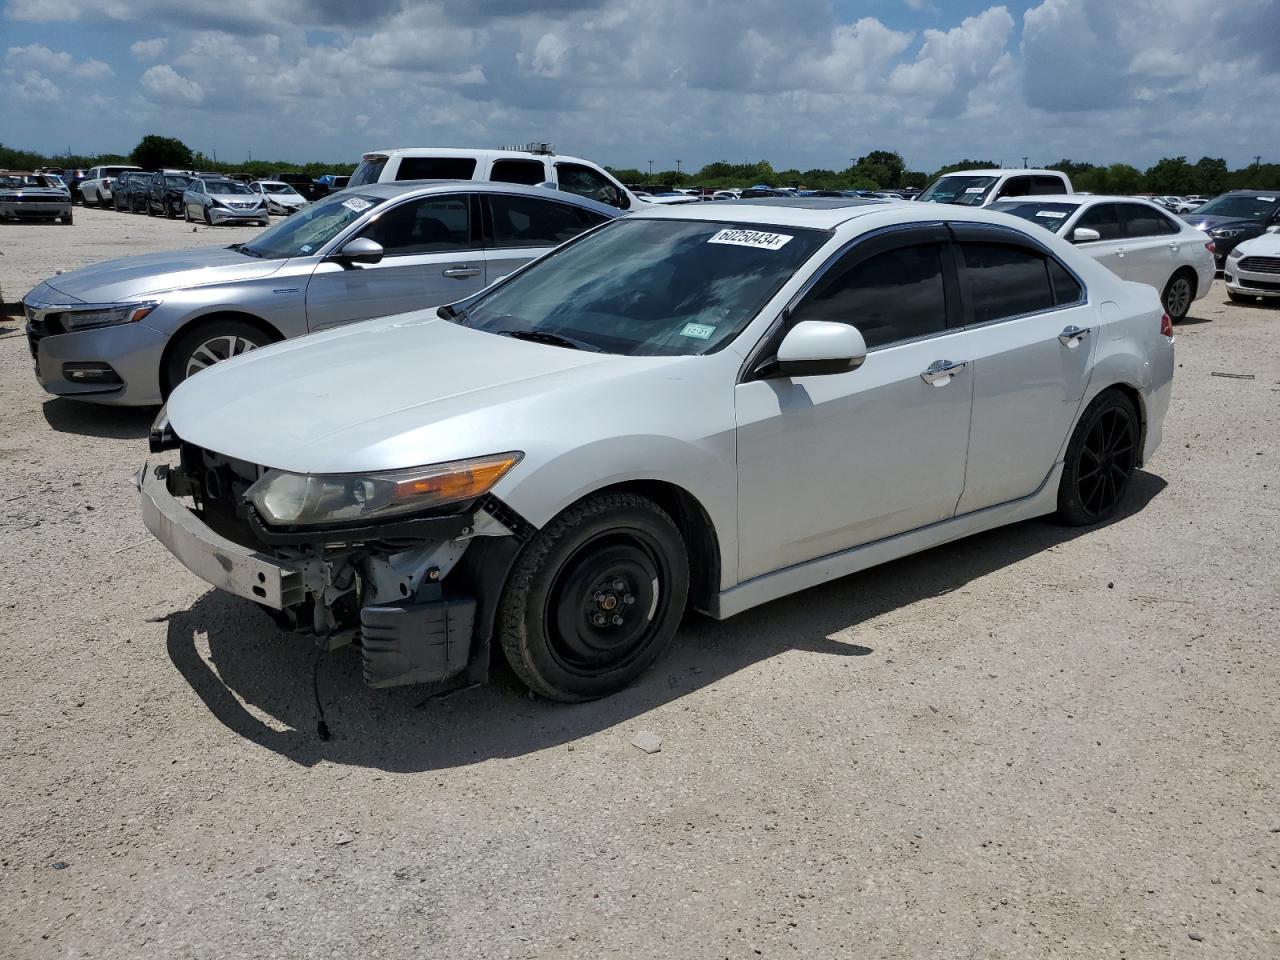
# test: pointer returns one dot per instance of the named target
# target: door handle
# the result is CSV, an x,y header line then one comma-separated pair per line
x,y
461,273
940,372
1072,336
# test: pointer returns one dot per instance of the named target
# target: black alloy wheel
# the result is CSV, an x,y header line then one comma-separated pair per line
x,y
595,598
1100,461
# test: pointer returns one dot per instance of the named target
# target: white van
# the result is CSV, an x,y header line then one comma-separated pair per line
x,y
531,167
980,188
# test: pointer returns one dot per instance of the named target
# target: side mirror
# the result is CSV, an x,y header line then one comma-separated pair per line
x,y
814,348
360,250
1085,235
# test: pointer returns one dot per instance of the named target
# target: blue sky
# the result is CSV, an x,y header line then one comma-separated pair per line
x,y
802,82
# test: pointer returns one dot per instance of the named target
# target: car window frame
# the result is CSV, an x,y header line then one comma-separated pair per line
x,y
856,251
1161,215
488,235
1005,236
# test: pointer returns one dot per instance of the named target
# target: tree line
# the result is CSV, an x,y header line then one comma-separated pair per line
x,y
877,170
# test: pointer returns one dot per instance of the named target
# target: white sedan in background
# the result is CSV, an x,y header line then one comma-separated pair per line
x,y
1253,268
1137,239
280,197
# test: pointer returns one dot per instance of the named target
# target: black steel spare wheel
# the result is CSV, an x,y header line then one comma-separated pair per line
x,y
595,597
1100,460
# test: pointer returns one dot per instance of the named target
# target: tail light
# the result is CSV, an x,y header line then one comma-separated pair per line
x,y
1166,325
1210,247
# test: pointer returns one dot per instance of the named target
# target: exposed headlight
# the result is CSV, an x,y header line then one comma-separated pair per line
x,y
1235,254
293,499
106,315
1226,232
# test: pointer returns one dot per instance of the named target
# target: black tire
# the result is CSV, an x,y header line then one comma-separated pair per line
x,y
1101,458
115,203
567,628
151,212
171,210
208,220
183,352
66,219
186,213
1178,294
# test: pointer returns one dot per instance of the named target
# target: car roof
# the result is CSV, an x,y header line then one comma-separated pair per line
x,y
401,188
468,152
819,213
1080,198
1001,172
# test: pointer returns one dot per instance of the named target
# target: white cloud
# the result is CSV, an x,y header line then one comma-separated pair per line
x,y
41,59
950,63
166,85
145,50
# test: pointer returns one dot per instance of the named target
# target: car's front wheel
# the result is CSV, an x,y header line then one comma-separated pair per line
x,y
1100,460
595,597
208,343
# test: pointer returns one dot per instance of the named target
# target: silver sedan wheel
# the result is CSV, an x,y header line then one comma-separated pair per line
x,y
217,349
1178,299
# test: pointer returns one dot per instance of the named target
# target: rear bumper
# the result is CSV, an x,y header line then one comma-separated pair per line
x,y
214,559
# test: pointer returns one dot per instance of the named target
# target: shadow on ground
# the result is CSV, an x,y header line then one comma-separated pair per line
x,y
407,730
91,420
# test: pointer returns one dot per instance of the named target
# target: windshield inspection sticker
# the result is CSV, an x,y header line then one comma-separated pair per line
x,y
702,331
748,238
1267,199
357,204
1051,214
974,189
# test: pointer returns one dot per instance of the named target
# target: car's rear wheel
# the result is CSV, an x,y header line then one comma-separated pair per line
x,y
1178,294
208,343
1100,460
594,598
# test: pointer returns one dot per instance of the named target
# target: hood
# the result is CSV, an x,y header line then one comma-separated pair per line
x,y
1213,223
159,272
1267,245
395,392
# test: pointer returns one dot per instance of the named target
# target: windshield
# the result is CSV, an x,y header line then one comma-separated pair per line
x,y
368,172
180,182
18,180
279,188
225,187
1051,216
649,287
1257,207
116,171
306,232
966,191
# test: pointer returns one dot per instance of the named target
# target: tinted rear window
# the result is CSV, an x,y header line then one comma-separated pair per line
x,y
434,168
529,172
368,172
1005,281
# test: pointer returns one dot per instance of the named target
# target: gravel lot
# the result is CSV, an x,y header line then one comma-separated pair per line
x,y
1038,742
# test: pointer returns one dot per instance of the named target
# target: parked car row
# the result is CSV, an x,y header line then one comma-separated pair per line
x,y
208,197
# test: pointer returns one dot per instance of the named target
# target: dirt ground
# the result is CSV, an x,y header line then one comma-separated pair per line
x,y
1038,742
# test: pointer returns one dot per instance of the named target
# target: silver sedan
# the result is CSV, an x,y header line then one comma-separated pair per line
x,y
223,201
128,331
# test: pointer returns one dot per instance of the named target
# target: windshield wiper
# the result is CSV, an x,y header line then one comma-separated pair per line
x,y
451,311
551,339
241,248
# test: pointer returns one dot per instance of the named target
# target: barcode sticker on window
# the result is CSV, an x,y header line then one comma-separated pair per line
x,y
700,331
357,204
1051,214
974,189
752,238
1267,199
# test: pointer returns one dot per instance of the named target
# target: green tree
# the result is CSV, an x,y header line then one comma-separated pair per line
x,y
1211,176
154,152
1122,178
886,167
1171,175
965,165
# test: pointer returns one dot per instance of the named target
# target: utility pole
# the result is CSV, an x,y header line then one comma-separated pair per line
x,y
1257,160
1024,163
651,171
677,166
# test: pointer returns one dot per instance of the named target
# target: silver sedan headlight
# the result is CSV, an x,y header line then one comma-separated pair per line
x,y
295,499
90,316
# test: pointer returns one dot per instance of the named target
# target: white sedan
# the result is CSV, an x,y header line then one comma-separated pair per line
x,y
280,197
1137,239
707,406
1253,268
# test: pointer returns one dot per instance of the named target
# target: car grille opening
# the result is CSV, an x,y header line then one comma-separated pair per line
x,y
1260,264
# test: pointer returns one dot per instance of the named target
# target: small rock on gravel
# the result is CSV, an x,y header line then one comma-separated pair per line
x,y
1195,935
342,838
648,741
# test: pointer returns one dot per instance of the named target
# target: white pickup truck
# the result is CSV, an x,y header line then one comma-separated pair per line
x,y
95,189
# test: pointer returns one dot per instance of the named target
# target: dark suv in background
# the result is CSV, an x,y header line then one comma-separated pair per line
x,y
1234,217
129,192
164,193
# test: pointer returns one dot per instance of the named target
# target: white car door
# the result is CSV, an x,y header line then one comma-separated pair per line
x,y
1151,240
1112,250
523,228
431,256
826,463
1033,336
